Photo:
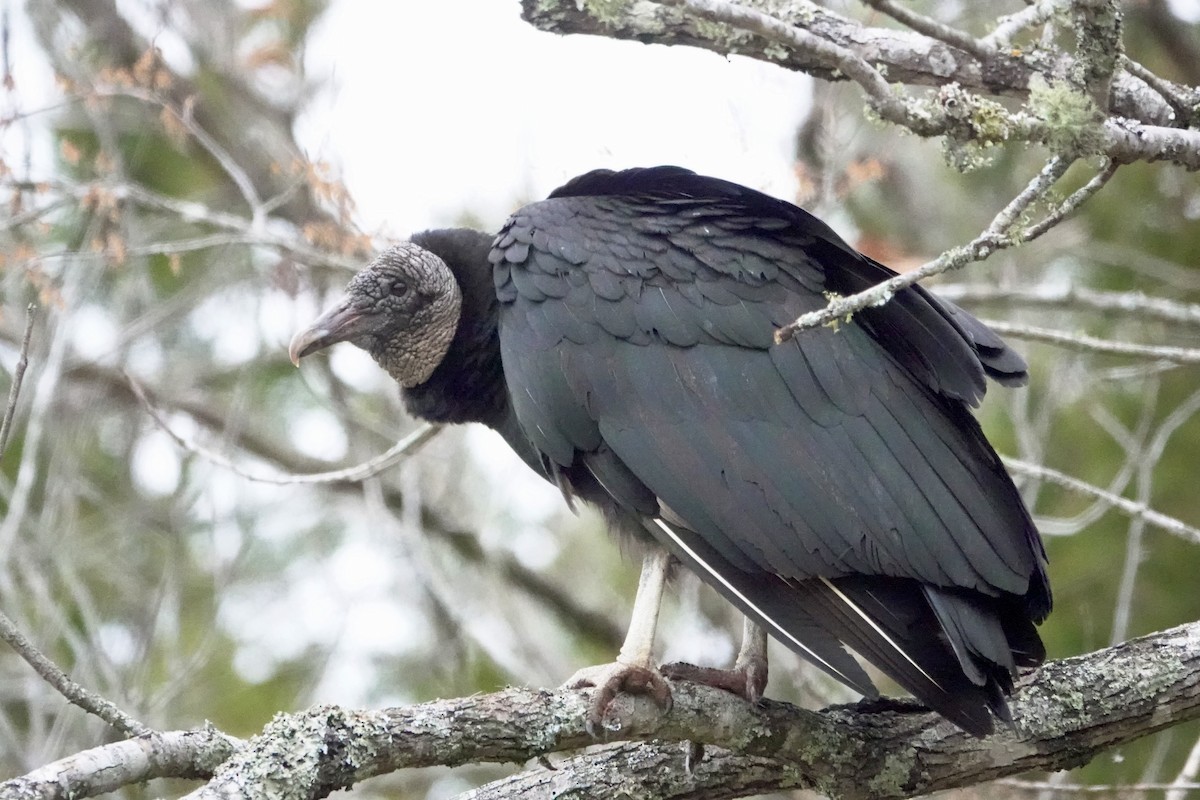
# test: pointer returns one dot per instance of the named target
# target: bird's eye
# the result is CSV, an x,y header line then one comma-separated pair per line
x,y
399,289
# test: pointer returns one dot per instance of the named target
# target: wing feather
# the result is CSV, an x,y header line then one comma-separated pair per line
x,y
637,339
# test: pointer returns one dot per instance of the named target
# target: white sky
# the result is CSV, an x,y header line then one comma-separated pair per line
x,y
436,107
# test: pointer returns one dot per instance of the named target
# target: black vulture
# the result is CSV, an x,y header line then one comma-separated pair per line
x,y
836,488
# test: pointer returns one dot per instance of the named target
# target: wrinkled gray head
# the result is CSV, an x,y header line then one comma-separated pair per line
x,y
403,309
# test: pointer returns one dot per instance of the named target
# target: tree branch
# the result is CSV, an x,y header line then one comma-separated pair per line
x,y
1134,304
54,675
1091,344
175,754
988,65
14,388
998,236
1130,508
1067,712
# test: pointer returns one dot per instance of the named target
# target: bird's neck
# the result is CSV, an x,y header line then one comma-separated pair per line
x,y
468,384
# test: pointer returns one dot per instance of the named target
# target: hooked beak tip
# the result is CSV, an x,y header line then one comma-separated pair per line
x,y
305,342
295,348
341,323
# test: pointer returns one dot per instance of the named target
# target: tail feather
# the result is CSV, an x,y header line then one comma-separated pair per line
x,y
955,650
919,655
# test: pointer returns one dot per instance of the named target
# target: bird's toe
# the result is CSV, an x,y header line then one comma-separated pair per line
x,y
746,680
611,680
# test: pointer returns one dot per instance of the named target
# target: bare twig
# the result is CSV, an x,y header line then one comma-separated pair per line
x,y
995,237
1185,780
1115,789
53,675
882,97
1182,99
1029,17
1123,504
242,230
236,172
1159,309
1036,189
1092,344
933,29
1069,206
14,389
1147,461
359,472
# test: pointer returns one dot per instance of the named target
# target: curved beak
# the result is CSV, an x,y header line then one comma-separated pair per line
x,y
341,323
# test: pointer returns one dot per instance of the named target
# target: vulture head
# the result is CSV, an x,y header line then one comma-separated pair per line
x,y
403,309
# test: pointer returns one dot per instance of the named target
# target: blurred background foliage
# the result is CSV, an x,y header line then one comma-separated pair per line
x,y
182,236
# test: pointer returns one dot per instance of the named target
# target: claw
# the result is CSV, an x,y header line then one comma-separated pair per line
x,y
613,679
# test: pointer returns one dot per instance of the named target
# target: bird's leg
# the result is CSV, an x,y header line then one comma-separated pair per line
x,y
634,669
747,679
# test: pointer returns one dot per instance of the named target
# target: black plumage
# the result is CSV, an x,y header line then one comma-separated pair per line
x,y
836,487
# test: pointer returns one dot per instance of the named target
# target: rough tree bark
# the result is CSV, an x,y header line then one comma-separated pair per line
x,y
1066,712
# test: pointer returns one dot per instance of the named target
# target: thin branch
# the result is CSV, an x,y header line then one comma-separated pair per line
x,y
1092,344
881,96
1183,100
14,389
1185,780
1116,789
248,233
73,692
354,474
1135,535
1159,309
1036,189
594,625
995,237
1069,206
1123,504
1148,459
933,29
1029,17
229,164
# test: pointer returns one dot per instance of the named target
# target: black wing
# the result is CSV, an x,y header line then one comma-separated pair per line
x,y
835,487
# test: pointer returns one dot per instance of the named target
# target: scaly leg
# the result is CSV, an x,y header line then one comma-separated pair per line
x,y
634,671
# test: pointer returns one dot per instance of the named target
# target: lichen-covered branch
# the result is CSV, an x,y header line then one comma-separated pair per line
x,y
174,754
1094,106
1066,712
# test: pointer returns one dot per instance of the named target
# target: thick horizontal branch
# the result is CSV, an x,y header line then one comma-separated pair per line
x,y
1067,712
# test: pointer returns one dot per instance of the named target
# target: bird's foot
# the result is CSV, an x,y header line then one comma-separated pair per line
x,y
747,679
613,679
